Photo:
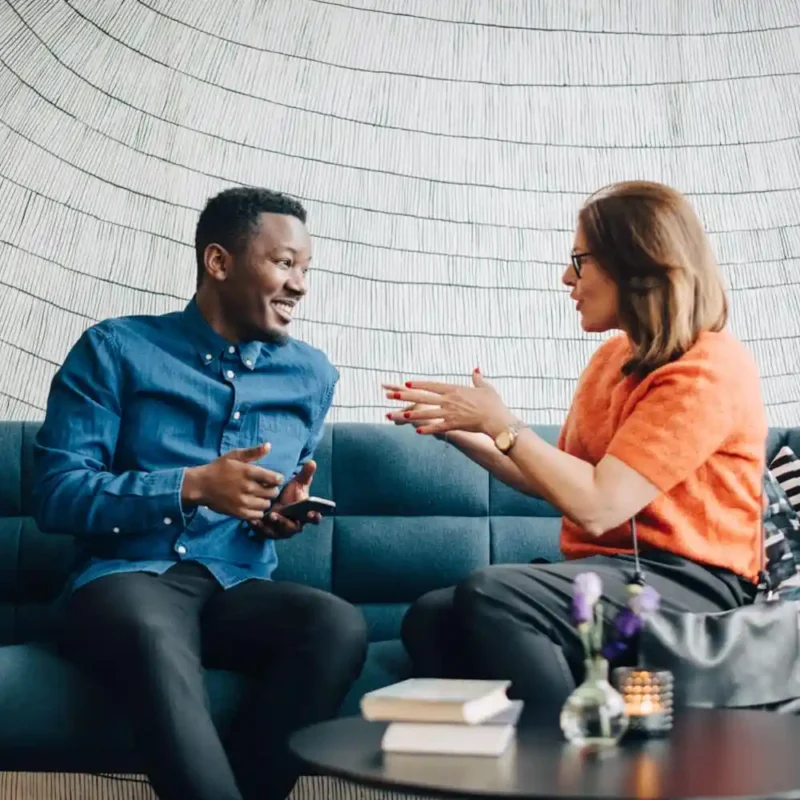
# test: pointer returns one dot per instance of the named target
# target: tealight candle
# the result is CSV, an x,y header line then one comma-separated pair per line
x,y
648,699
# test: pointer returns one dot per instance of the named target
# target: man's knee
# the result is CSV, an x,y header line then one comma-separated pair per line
x,y
338,629
118,627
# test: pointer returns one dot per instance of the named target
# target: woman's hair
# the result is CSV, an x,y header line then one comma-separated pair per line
x,y
650,241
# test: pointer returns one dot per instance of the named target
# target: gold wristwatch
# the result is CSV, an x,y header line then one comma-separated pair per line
x,y
506,439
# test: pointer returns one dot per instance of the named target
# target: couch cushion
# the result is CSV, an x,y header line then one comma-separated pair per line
x,y
11,448
384,470
396,559
781,531
33,568
50,714
786,469
307,558
518,540
383,619
782,437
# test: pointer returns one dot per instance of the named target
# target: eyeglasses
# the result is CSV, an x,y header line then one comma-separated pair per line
x,y
576,261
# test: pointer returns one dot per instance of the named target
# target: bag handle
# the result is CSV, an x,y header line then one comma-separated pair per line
x,y
638,575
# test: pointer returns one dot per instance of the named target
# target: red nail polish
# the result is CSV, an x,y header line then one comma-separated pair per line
x,y
388,416
397,395
478,370
419,430
406,415
408,384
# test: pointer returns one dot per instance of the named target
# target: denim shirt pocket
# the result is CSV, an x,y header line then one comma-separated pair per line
x,y
287,435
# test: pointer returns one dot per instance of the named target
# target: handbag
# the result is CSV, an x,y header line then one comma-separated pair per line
x,y
748,657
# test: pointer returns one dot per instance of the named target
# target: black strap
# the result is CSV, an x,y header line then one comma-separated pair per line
x,y
765,583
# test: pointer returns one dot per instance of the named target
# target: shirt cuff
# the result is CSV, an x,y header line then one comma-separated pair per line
x,y
163,493
186,516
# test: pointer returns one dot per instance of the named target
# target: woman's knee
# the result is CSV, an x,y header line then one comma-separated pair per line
x,y
483,590
427,620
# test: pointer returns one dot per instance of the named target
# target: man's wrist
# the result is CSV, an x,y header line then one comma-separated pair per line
x,y
192,494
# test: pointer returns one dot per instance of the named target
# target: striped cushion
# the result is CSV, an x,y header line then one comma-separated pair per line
x,y
786,469
781,524
781,530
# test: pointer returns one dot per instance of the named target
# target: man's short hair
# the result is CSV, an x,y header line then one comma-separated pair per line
x,y
231,217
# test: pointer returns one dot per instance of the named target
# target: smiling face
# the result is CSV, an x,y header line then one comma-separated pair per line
x,y
595,293
260,285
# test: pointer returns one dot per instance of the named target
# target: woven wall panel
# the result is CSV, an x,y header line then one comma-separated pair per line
x,y
442,150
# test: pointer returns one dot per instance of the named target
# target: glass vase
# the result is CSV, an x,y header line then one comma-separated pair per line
x,y
594,714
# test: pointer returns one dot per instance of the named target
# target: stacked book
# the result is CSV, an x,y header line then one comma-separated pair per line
x,y
443,716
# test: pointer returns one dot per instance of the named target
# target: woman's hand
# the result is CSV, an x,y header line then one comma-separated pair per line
x,y
442,407
399,417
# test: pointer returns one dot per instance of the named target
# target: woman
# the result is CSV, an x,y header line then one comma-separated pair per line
x,y
667,424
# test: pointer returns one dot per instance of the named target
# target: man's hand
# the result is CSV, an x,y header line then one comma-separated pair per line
x,y
275,526
233,485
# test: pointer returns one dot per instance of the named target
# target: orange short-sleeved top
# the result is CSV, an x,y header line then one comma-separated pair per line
x,y
696,429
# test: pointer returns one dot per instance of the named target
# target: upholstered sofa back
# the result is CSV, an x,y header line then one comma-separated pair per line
x,y
413,514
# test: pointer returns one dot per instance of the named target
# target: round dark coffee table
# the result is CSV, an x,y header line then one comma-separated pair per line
x,y
709,754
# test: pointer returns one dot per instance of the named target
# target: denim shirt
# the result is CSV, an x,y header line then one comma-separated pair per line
x,y
139,399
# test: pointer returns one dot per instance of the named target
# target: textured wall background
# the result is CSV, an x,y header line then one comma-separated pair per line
x,y
442,147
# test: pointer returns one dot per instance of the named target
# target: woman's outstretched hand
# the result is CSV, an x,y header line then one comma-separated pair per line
x,y
403,416
441,407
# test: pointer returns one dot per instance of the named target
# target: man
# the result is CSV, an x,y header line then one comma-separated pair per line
x,y
166,449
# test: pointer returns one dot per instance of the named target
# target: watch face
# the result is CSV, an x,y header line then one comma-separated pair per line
x,y
503,440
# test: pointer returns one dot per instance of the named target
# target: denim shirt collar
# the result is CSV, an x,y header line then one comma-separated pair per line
x,y
211,347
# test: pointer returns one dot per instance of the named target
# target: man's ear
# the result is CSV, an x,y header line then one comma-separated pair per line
x,y
217,261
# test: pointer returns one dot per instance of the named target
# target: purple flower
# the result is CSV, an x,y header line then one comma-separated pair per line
x,y
582,611
588,584
645,602
614,649
586,590
626,623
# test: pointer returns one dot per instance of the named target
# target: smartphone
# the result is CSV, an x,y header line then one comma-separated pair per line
x,y
298,512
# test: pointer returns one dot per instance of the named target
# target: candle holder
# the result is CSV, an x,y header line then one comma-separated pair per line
x,y
648,700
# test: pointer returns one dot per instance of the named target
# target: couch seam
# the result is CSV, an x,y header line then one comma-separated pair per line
x,y
21,464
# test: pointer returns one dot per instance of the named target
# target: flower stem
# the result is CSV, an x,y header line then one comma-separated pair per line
x,y
585,631
598,628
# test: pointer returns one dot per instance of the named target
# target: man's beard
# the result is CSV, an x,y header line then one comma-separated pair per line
x,y
273,337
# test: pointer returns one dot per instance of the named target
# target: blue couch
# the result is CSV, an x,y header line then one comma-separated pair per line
x,y
413,515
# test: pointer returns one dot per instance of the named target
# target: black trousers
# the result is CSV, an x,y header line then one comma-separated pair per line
x,y
147,638
513,622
